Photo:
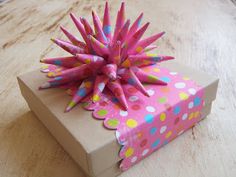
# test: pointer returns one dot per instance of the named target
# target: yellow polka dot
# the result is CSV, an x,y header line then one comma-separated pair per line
x,y
129,152
126,63
183,96
191,116
156,70
87,61
163,117
139,49
168,134
88,84
139,135
51,74
113,122
131,123
151,54
77,64
196,114
102,112
186,78
96,97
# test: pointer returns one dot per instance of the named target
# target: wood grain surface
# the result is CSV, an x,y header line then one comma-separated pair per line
x,y
199,33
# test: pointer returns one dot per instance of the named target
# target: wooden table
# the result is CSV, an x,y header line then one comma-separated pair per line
x,y
199,33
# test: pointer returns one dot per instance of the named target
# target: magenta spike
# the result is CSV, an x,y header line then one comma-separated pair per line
x,y
98,47
74,40
100,36
100,83
93,60
129,76
110,71
88,29
107,23
147,78
135,26
141,45
114,56
123,32
117,90
68,46
84,89
68,62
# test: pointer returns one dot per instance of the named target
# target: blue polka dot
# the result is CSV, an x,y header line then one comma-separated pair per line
x,y
156,59
177,110
156,143
165,142
153,130
107,29
131,81
165,79
58,78
81,92
149,118
114,100
57,62
139,22
197,101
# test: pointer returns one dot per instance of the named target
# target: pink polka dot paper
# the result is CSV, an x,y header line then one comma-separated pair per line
x,y
150,122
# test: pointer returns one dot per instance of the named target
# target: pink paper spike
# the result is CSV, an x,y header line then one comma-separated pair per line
x,y
100,36
141,45
135,26
100,83
110,71
149,48
93,60
87,27
81,29
123,32
120,19
144,60
98,47
74,40
114,56
129,76
147,78
68,62
128,45
84,89
68,46
117,90
107,23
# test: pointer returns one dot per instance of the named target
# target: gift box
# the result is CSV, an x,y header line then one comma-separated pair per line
x,y
95,148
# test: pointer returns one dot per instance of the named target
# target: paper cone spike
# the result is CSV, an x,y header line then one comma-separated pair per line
x,y
117,90
81,29
110,71
68,62
107,29
148,48
114,56
120,19
68,46
129,76
74,40
147,78
133,40
146,42
93,60
99,85
144,60
84,89
100,36
135,26
87,27
98,47
123,32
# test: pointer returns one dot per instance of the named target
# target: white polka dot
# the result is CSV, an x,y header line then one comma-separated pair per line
x,y
190,105
173,73
123,113
150,109
151,92
192,91
145,151
133,98
163,129
185,116
134,159
180,85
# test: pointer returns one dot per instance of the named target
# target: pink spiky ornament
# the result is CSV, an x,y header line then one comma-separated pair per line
x,y
104,61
